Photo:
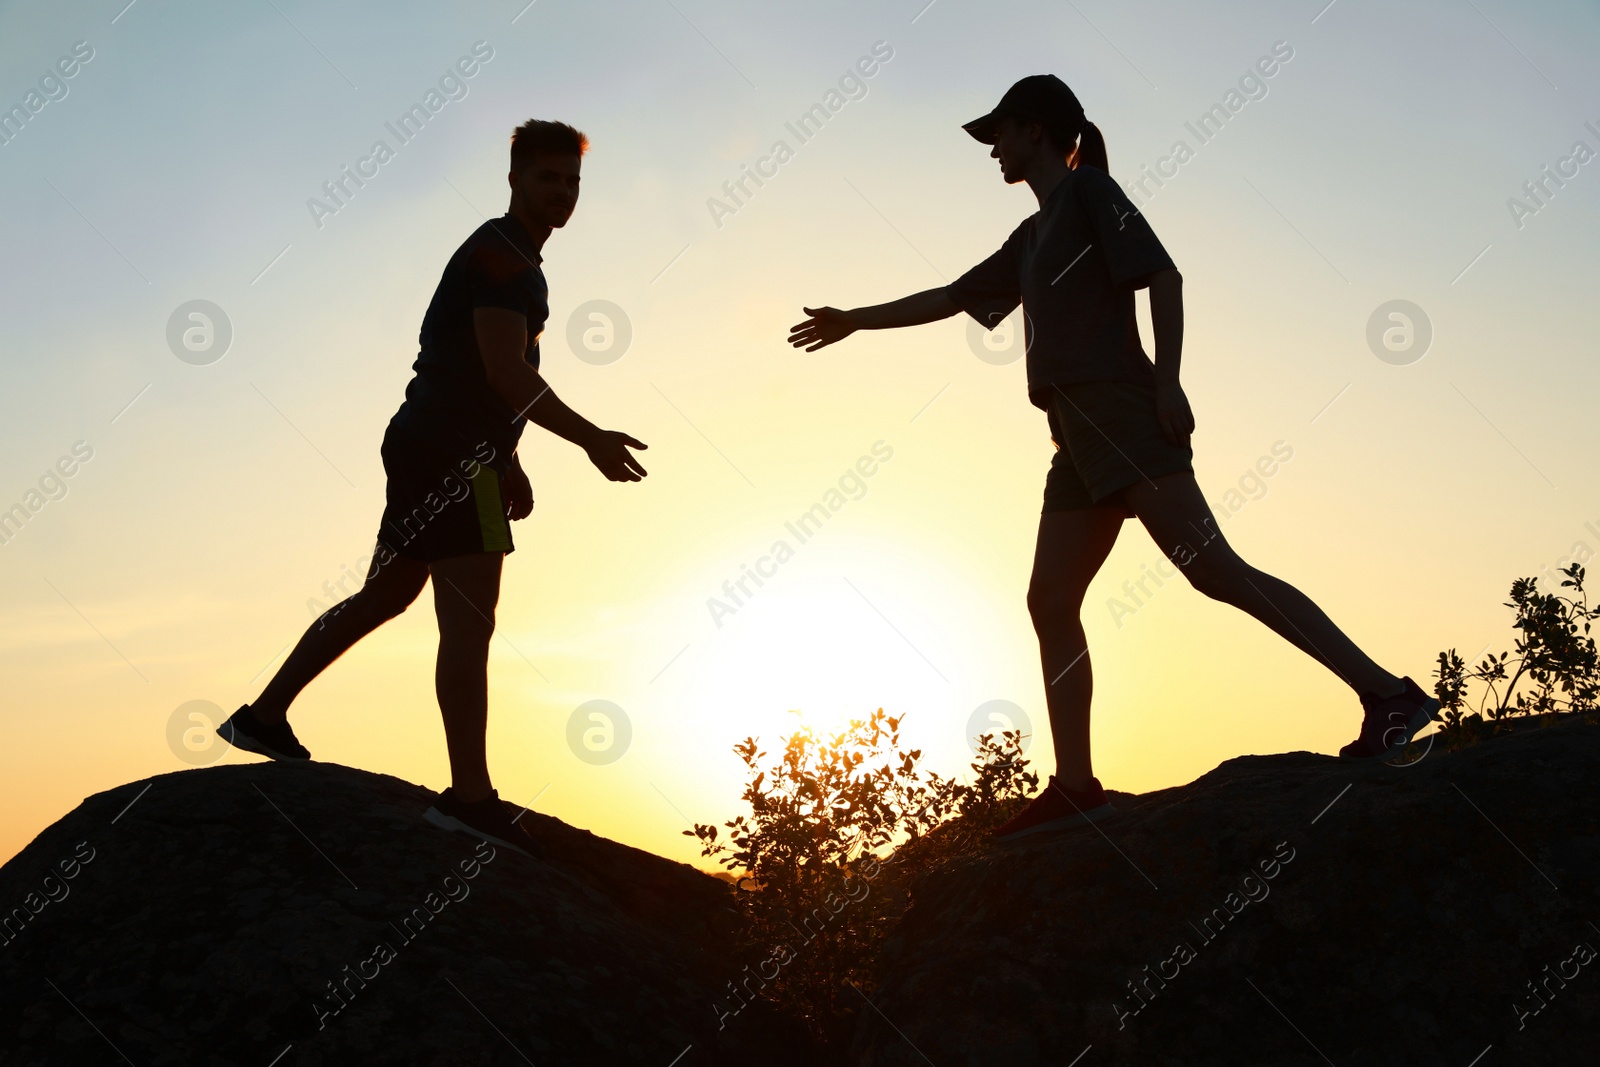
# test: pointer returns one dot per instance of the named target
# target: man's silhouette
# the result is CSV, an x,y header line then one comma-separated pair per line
x,y
454,480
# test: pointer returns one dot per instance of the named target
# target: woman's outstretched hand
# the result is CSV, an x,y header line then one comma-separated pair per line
x,y
1173,413
825,326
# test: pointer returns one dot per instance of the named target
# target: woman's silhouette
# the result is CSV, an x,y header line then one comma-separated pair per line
x,y
1121,425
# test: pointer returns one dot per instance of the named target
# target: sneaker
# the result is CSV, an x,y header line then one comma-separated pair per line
x,y
489,819
1057,808
243,730
1391,722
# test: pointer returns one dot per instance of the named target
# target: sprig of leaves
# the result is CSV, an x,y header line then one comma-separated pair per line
x,y
1552,667
818,896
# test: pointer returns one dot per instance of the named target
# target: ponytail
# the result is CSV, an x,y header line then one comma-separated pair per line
x,y
1090,149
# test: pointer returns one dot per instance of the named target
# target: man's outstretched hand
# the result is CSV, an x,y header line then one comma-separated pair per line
x,y
825,326
609,452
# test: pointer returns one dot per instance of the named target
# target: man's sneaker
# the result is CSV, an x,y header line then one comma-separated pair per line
x,y
490,819
1391,722
243,730
1057,808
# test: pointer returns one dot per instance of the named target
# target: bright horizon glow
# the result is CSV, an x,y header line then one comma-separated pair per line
x,y
219,499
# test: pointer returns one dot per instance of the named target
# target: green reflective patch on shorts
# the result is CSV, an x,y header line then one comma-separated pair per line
x,y
492,523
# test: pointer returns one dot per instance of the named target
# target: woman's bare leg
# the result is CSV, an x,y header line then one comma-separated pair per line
x,y
1071,547
1177,516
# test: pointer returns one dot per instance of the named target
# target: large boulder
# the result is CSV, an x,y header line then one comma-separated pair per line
x,y
237,914
1280,910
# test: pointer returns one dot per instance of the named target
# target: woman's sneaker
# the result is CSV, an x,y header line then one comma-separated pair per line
x,y
1391,722
1057,808
243,730
489,819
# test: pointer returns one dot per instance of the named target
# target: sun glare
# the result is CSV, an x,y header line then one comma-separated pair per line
x,y
821,649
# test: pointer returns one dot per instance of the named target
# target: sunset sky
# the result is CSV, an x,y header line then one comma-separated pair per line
x,y
209,502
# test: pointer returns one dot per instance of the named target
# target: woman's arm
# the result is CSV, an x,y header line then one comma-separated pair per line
x,y
827,325
1166,322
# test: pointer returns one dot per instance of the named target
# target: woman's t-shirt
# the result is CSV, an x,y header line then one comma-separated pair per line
x,y
1073,265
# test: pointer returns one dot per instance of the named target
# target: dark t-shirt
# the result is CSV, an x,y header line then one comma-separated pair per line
x,y
1074,266
450,409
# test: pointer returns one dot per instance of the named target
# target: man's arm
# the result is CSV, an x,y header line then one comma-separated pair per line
x,y
827,325
502,341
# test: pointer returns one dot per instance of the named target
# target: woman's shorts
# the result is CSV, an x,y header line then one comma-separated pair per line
x,y
435,507
1107,438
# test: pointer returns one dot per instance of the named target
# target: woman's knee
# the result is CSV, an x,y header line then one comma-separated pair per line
x,y
1220,577
1053,600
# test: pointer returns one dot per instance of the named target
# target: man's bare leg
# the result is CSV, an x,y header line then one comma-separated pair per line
x,y
389,589
466,590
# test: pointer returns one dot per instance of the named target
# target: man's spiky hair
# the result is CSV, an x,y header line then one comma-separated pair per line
x,y
543,135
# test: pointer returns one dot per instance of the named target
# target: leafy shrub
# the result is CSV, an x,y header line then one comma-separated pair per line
x,y
1551,670
818,897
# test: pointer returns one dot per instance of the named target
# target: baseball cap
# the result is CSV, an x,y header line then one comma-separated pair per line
x,y
1042,98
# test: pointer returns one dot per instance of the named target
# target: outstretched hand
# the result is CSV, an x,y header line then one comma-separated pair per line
x,y
825,326
609,453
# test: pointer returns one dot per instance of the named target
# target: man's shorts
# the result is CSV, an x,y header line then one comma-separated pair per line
x,y
437,506
1107,438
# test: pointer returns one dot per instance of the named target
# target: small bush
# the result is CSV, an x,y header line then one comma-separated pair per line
x,y
1552,668
818,897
